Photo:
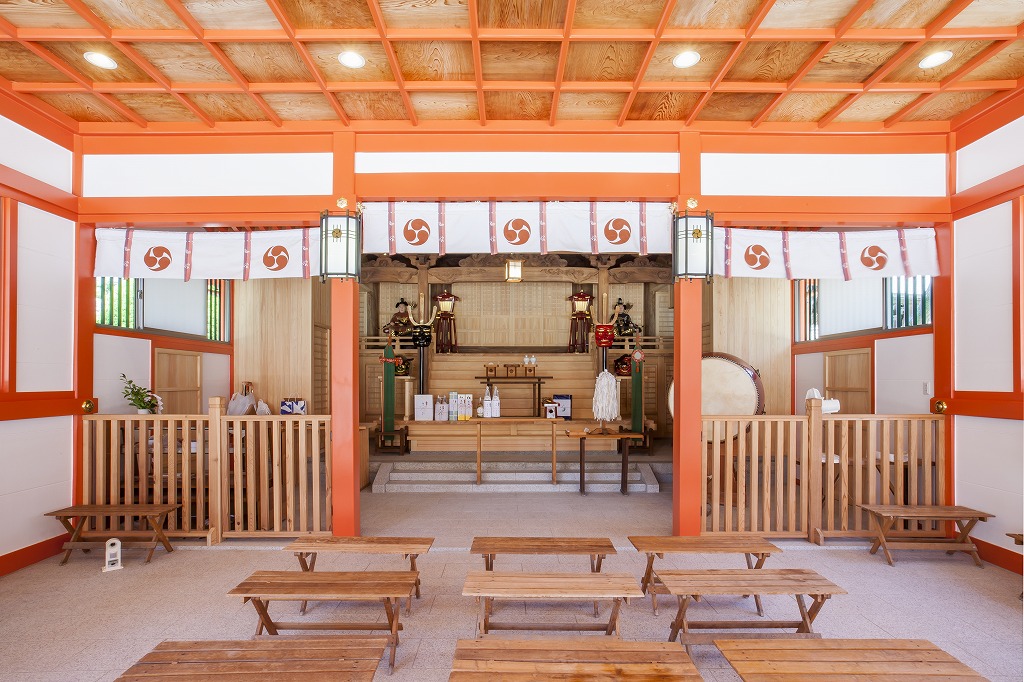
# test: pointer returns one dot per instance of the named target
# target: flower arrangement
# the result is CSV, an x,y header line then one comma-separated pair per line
x,y
141,397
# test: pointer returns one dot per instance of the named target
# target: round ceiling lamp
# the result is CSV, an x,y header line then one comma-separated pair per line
x,y
685,60
352,60
101,60
935,59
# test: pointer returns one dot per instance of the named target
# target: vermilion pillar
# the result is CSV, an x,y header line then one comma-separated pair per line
x,y
345,407
687,449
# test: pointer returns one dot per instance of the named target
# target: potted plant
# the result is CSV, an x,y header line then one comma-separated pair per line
x,y
141,397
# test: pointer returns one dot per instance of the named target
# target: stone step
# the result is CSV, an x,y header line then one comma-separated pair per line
x,y
510,487
511,476
542,466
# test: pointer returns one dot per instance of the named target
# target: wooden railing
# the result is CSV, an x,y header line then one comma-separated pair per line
x,y
232,476
151,459
804,475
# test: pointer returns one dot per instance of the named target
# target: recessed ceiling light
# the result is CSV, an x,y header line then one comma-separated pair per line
x,y
685,60
352,60
100,60
935,59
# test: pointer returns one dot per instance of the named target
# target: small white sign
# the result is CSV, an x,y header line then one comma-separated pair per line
x,y
112,556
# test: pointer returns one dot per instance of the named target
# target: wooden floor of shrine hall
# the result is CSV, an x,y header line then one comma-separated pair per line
x,y
74,623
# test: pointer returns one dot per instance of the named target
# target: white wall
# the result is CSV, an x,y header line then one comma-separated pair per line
x,y
34,155
46,301
824,175
998,152
216,378
990,474
983,292
36,460
809,372
849,306
903,365
175,306
112,356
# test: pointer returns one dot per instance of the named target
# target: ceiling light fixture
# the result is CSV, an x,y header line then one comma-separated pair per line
x,y
352,60
935,59
685,60
101,60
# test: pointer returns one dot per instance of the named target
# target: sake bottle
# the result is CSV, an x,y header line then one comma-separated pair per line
x,y
488,404
495,404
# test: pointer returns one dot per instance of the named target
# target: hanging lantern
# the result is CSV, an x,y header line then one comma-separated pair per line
x,y
513,270
340,242
692,247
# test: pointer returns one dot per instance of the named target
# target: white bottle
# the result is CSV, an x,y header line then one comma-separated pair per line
x,y
533,360
495,404
488,412
526,360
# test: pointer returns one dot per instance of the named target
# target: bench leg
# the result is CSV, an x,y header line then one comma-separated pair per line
x,y
679,624
265,619
157,524
883,524
613,619
74,531
964,537
752,566
306,567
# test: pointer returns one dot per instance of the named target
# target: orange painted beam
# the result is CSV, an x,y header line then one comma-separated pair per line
x,y
478,63
33,554
652,48
823,143
521,142
8,293
687,448
854,341
1007,186
206,144
15,181
151,208
973,125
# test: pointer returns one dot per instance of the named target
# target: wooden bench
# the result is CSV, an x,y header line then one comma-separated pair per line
x,y
155,515
520,660
797,582
881,660
750,546
885,516
491,585
340,657
306,550
388,587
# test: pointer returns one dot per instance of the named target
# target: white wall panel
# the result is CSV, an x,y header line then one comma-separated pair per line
x,y
216,378
998,152
903,365
849,306
175,306
516,162
36,459
34,155
46,301
809,372
207,175
112,356
824,175
983,294
990,474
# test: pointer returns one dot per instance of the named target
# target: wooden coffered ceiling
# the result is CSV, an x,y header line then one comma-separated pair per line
x,y
771,65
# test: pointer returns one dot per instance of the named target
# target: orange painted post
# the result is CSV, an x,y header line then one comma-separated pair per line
x,y
687,449
345,407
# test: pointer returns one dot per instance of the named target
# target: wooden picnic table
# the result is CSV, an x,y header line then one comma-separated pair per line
x,y
306,550
352,658
388,587
155,515
796,660
520,660
754,548
491,585
798,582
622,436
885,517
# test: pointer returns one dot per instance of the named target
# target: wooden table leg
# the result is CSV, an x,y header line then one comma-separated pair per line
x,y
265,620
613,619
884,524
646,582
680,621
583,466
595,567
965,528
412,567
74,531
752,566
306,567
482,620
625,465
392,609
157,524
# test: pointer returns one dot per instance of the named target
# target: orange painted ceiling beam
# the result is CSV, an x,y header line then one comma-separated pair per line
x,y
396,68
652,47
563,56
478,61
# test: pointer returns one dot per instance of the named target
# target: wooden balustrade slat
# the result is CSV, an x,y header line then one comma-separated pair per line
x,y
275,448
303,485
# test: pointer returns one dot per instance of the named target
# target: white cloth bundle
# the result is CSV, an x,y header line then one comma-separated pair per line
x,y
606,397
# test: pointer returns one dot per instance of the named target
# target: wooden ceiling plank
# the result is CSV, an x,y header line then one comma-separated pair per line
x,y
966,68
563,54
982,108
396,68
478,62
851,18
652,47
39,106
200,34
307,59
759,15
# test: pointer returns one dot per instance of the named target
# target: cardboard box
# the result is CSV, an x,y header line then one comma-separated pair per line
x,y
424,407
564,403
440,411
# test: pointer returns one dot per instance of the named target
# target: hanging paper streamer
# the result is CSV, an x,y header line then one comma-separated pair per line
x,y
606,397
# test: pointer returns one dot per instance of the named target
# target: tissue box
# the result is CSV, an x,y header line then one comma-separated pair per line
x,y
564,403
465,406
424,407
440,412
